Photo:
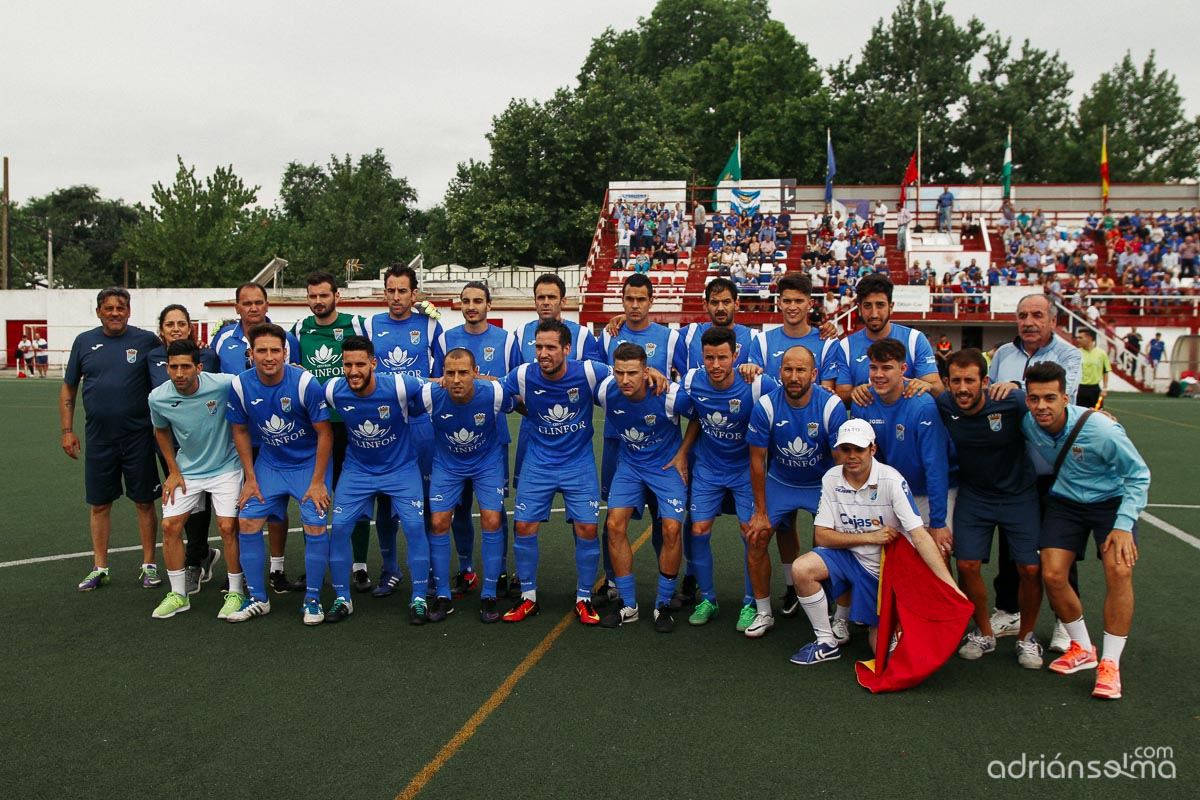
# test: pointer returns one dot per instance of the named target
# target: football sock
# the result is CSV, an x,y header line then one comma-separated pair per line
x,y
764,604
339,559
1113,647
625,585
357,564
178,582
417,545
276,563
254,563
503,542
361,544
316,559
587,563
530,595
816,608
1078,632
525,554
787,576
666,589
493,561
237,583
841,613
702,560
463,529
439,557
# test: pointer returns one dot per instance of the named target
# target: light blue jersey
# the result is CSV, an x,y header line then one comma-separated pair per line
x,y
584,346
665,348
1011,361
466,435
408,347
912,440
799,441
746,339
648,429
724,416
1102,464
198,421
378,440
495,350
919,359
559,418
282,414
827,353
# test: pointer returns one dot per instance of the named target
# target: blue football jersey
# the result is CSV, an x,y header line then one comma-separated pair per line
x,y
466,435
377,433
648,429
583,345
559,413
495,350
746,338
282,414
664,347
828,355
232,348
724,415
911,439
407,347
920,360
799,441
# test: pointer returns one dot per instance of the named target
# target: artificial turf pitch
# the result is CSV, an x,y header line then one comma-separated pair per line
x,y
100,700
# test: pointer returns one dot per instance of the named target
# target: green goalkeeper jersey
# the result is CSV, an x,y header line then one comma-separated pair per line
x,y
321,347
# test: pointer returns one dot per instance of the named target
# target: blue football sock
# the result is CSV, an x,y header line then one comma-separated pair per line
x,y
387,528
439,557
625,585
253,553
666,590
609,575
340,559
748,597
316,560
702,561
587,563
525,553
417,545
493,559
503,541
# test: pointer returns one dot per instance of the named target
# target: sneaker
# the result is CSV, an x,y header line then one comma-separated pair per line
x,y
663,621
976,646
608,593
488,611
1005,623
281,585
1075,659
502,586
340,609
463,583
789,604
523,609
250,608
313,613
746,617
1029,652
206,566
191,580
361,581
418,612
705,611
94,580
1108,680
150,577
171,605
1060,640
442,608
841,630
233,602
587,612
815,653
619,616
388,581
760,625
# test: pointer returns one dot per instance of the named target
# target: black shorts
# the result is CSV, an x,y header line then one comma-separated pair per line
x,y
106,464
1087,395
1066,523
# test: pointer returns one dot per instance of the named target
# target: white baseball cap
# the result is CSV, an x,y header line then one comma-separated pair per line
x,y
856,432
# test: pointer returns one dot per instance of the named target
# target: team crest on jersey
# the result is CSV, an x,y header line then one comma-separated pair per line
x,y
735,406
414,337
874,492
900,433
385,412
480,419
573,395
650,418
285,403
489,353
1077,454
337,334
211,405
650,348
814,428
131,356
995,421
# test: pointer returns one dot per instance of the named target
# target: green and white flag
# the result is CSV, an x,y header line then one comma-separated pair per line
x,y
1007,171
733,167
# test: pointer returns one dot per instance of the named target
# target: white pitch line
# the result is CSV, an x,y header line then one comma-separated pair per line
x,y
1163,525
1169,505
137,548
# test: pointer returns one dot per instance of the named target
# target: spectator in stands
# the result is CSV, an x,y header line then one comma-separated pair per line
x,y
880,218
687,238
903,219
1008,218
656,251
1023,220
1188,252
624,237
914,274
945,206
700,222
670,250
641,262
840,249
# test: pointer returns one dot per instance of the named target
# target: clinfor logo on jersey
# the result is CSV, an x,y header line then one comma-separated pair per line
x,y
464,441
798,454
278,431
560,419
325,362
398,360
635,438
719,426
370,435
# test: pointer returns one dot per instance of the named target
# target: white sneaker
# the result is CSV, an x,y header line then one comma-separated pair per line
x,y
1005,624
976,646
1060,641
250,608
841,630
761,624
1029,652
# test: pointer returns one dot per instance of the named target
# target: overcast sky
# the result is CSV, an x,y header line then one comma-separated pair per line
x,y
107,93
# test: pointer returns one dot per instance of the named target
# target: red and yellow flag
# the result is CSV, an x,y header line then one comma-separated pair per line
x,y
1104,167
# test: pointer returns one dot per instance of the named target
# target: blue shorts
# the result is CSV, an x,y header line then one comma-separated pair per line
x,y
448,487
277,486
632,487
105,464
708,497
421,431
976,517
356,493
846,574
1066,524
783,499
608,465
579,486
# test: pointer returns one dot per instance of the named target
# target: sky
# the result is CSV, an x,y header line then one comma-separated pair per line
x,y
109,93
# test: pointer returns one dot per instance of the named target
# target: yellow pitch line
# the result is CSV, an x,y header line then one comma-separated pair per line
x,y
1158,419
430,770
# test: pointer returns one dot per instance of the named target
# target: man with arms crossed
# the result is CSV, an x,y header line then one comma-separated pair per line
x,y
190,407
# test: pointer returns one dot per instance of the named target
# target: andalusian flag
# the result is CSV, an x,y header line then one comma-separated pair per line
x,y
830,167
1104,168
1007,171
733,167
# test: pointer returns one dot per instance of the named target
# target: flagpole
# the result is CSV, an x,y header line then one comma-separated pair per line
x,y
917,210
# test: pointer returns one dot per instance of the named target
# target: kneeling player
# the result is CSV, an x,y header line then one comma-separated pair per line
x,y
380,462
190,408
649,466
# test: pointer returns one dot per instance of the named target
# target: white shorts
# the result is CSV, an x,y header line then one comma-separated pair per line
x,y
224,489
922,501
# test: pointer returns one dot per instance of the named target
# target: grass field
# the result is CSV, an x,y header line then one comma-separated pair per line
x,y
100,700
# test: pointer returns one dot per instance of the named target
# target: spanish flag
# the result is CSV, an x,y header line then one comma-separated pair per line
x,y
1104,168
